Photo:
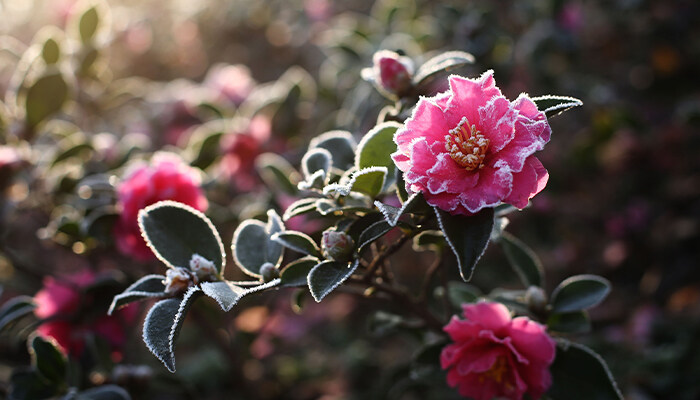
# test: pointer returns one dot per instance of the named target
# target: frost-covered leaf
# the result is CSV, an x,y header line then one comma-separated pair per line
x,y
315,160
14,309
375,148
372,233
341,145
442,63
253,246
225,293
148,287
467,236
578,373
297,241
163,323
299,207
579,293
429,240
45,97
327,276
523,260
48,359
176,231
369,181
555,105
296,273
415,202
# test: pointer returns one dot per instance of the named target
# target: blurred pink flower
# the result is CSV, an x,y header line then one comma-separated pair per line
x,y
496,356
230,82
241,148
72,316
393,72
470,148
166,178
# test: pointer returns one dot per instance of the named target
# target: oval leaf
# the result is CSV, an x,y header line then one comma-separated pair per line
x,y
14,309
372,233
555,105
523,260
327,276
104,392
571,322
296,273
175,232
48,359
316,160
45,97
148,287
163,323
369,181
578,373
467,236
375,148
299,207
297,241
88,23
579,293
340,144
253,246
225,293
442,63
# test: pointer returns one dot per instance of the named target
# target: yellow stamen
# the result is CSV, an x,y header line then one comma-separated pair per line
x,y
466,145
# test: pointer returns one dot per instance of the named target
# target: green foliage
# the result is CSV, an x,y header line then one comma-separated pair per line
x,y
569,322
555,105
296,273
523,260
578,373
369,181
341,145
88,24
375,148
225,293
15,309
48,360
253,245
45,97
297,241
175,232
149,286
579,293
441,64
467,237
327,276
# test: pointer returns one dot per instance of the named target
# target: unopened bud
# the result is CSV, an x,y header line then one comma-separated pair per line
x,y
536,299
393,72
177,280
336,245
269,272
204,269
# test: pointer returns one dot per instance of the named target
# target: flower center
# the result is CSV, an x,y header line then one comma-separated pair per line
x,y
497,371
466,145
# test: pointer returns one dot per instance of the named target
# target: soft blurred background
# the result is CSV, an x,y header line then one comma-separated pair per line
x,y
220,82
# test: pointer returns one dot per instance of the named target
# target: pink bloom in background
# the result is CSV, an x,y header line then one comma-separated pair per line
x,y
166,178
64,303
241,148
230,82
494,356
470,148
393,72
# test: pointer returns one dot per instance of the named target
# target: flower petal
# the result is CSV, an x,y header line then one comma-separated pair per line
x,y
528,182
492,316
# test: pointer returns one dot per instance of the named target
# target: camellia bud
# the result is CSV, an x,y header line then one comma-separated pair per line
x,y
269,272
204,269
336,245
393,72
177,280
536,299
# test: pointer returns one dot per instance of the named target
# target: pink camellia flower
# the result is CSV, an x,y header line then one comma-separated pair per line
x,y
241,148
470,148
494,356
231,83
166,178
71,318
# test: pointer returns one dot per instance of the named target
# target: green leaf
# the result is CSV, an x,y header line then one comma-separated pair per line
x,y
359,225
327,276
87,26
206,145
555,105
252,244
14,309
148,287
372,233
28,384
460,293
276,172
375,148
45,97
579,293
341,145
299,207
296,273
414,203
316,160
163,323
297,241
175,232
570,322
467,237
225,293
369,181
442,63
48,359
104,392
523,260
578,373
429,241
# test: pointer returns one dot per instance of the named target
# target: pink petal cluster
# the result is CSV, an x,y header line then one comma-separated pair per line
x,y
166,178
393,72
70,318
241,148
470,148
494,356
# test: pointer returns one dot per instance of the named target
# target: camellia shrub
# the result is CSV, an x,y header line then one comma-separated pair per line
x,y
448,160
